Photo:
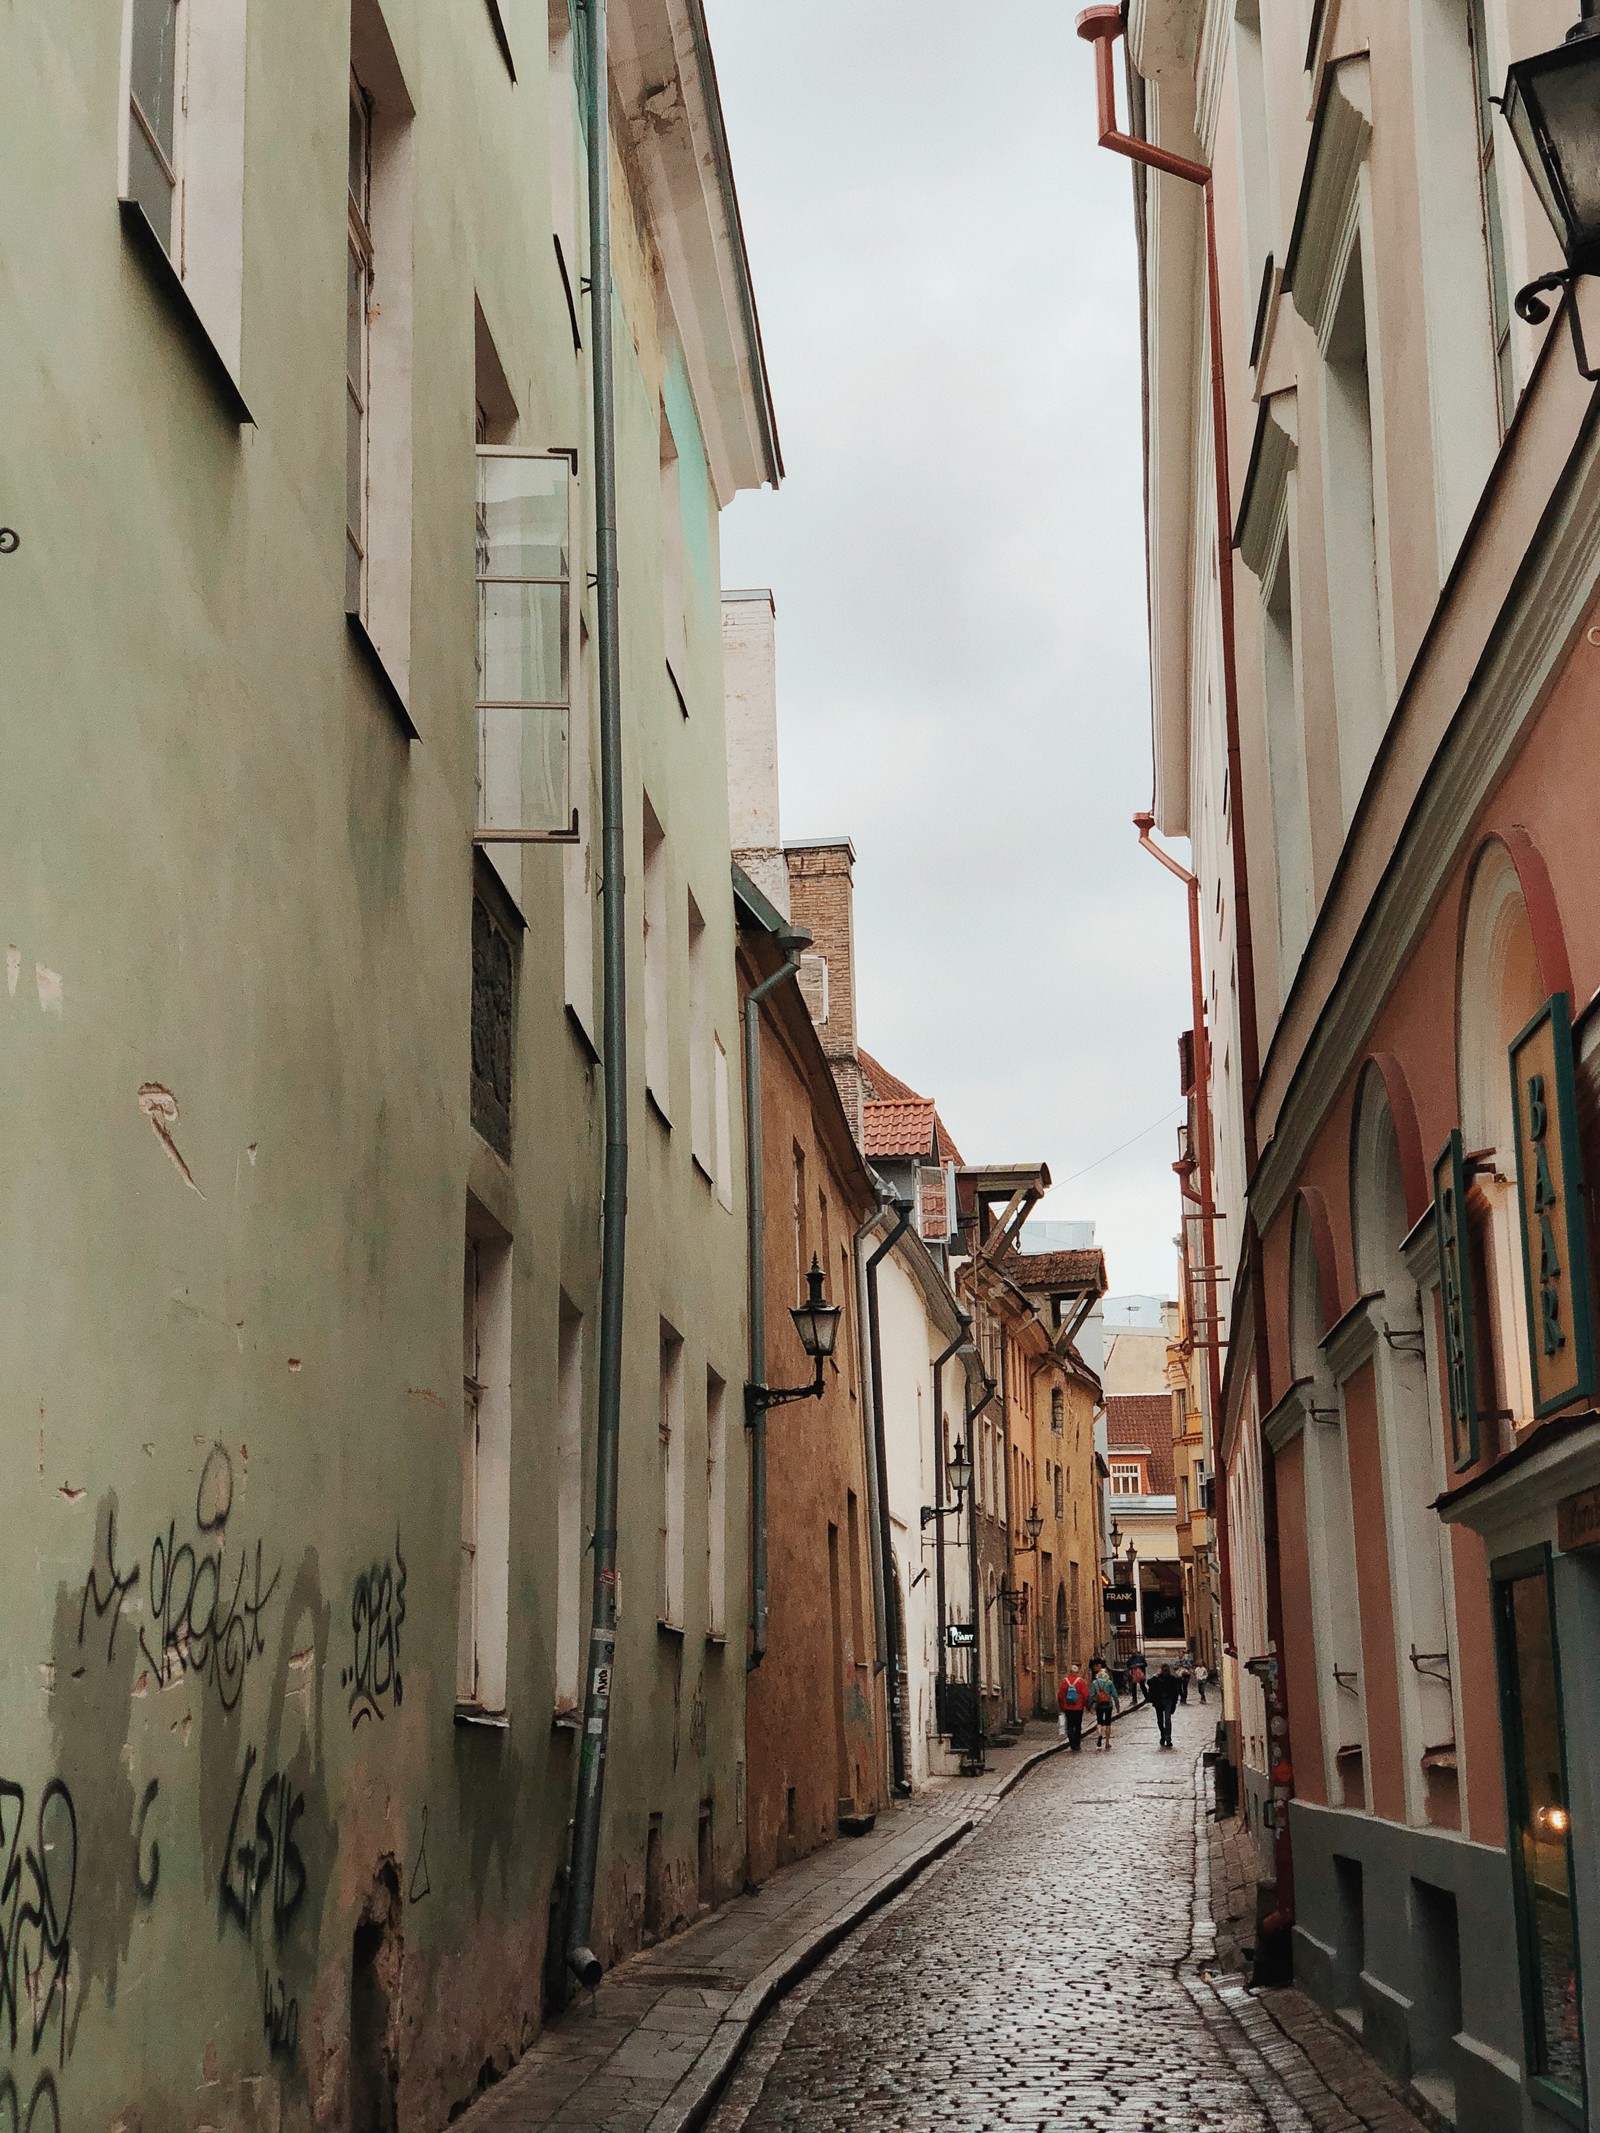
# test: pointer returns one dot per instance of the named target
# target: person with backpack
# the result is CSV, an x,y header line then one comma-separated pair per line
x,y
1162,1697
1103,1695
1072,1700
1185,1676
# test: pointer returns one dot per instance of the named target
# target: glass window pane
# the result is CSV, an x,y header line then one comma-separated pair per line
x,y
1568,95
355,292
522,644
149,184
522,770
522,517
1541,1835
354,471
153,74
352,577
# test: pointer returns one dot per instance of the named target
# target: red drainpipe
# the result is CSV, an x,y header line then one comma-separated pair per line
x,y
1101,27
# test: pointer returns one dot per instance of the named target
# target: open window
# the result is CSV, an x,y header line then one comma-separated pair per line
x,y
525,648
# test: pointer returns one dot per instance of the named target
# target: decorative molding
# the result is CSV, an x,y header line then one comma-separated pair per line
x,y
1350,1343
1211,72
1541,615
1264,501
1535,1478
1325,214
1288,1419
1419,1248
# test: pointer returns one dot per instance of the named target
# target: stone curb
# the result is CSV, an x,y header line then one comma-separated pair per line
x,y
696,2093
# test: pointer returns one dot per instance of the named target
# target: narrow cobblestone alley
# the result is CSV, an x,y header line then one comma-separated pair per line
x,y
1053,1974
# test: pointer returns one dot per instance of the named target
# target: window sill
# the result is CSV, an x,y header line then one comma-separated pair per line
x,y
169,283
717,1639
585,1042
654,1103
474,1714
565,1719
669,1629
699,1165
388,687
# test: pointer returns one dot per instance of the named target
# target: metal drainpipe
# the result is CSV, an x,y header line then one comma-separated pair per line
x,y
891,1584
963,1335
581,1957
869,1455
1144,824
976,1751
756,1221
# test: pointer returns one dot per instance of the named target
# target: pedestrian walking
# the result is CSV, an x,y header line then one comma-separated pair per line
x,y
1103,1690
1162,1697
1072,1700
1135,1679
1185,1676
1201,1676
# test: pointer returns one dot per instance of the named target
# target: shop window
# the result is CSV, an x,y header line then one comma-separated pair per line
x,y
1538,1827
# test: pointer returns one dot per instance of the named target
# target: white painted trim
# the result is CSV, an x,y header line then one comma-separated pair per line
x,y
1325,215
1353,1340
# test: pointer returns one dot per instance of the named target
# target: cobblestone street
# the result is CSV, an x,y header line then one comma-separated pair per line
x,y
1054,1974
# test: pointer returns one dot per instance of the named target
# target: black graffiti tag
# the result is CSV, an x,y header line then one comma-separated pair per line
x,y
377,1610
269,1862
280,2018
43,2114
37,1890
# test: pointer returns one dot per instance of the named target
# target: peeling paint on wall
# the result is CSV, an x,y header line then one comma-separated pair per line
x,y
160,1106
49,984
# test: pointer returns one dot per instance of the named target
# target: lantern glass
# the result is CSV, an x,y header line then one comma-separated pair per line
x,y
1552,106
1033,1524
816,1321
959,1469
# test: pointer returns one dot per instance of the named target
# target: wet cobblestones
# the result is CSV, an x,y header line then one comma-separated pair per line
x,y
1044,1978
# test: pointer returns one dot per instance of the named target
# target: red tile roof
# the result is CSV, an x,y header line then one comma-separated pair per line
x,y
1058,1270
899,1128
1142,1421
884,1087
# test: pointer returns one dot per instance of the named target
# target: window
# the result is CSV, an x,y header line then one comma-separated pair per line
x,y
669,1478
181,165
1493,225
157,60
724,1123
812,978
379,209
569,1508
562,109
357,348
1356,608
700,1066
1539,1834
654,919
485,1466
716,1506
802,1254
1058,1411
858,1620
1286,760
672,613
493,1029
1125,1479
524,587
1257,191
1061,1498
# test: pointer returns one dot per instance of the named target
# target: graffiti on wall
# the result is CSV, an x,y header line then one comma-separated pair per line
x,y
372,1681
204,1611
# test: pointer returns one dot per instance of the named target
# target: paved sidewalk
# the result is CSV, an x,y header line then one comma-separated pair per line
x,y
649,2051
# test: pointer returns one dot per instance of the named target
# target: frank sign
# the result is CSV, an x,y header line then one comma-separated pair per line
x,y
1555,1258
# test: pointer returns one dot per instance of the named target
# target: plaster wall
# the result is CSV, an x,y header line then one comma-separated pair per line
x,y
239,905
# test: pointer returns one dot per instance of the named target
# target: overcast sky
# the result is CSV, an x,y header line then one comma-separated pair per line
x,y
944,266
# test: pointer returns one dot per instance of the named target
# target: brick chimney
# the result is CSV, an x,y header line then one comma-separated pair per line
x,y
822,899
750,715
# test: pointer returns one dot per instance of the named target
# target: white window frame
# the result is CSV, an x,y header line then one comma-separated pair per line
x,y
522,833
485,1572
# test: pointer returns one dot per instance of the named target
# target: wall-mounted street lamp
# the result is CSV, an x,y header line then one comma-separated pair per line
x,y
958,1473
1552,106
1033,1526
817,1323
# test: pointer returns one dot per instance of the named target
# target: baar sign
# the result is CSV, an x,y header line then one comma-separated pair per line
x,y
1555,1258
1455,1295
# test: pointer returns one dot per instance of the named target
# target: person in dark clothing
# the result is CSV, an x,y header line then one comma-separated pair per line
x,y
1162,1697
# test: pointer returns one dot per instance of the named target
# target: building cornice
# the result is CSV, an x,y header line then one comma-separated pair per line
x,y
1288,1419
1325,214
1350,1343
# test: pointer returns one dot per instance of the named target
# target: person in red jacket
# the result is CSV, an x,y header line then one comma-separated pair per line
x,y
1072,1700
